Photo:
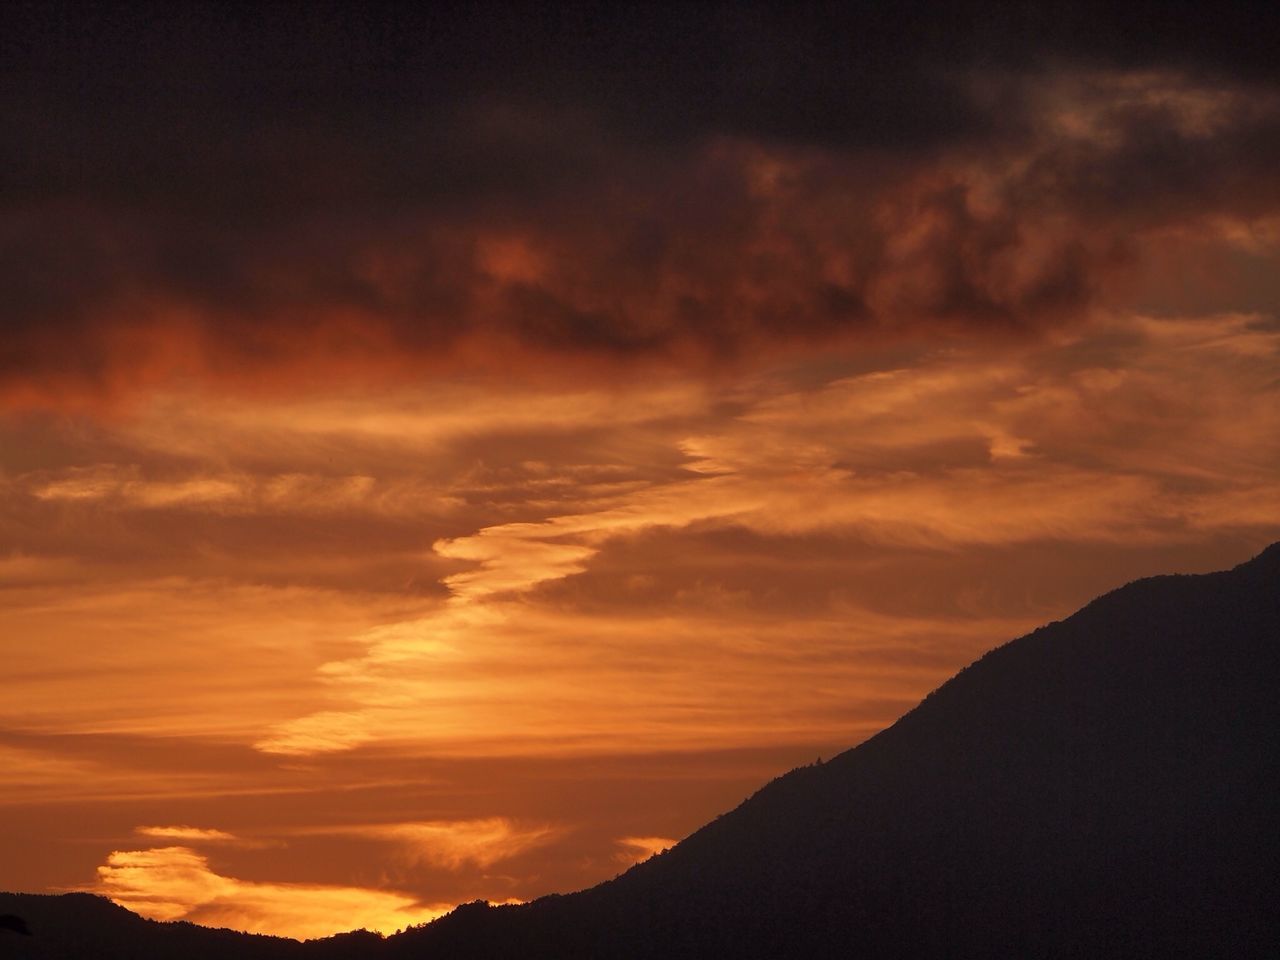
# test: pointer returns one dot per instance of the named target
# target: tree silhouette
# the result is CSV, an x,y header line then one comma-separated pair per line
x,y
9,921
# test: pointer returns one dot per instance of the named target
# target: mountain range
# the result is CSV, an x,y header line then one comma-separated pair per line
x,y
1106,786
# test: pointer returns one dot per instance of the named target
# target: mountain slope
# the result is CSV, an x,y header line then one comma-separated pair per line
x,y
1106,786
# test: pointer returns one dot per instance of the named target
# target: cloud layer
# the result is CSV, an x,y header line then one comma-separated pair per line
x,y
457,453
364,217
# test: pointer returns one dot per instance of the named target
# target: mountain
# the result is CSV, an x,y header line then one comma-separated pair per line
x,y
1103,787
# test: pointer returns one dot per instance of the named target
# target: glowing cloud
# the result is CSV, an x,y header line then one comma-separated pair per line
x,y
317,733
177,883
510,561
453,844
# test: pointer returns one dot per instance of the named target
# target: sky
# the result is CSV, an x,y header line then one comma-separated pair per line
x,y
451,456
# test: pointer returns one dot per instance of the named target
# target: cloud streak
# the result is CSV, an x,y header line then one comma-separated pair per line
x,y
192,834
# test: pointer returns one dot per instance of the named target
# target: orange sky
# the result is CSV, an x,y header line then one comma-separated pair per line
x,y
315,619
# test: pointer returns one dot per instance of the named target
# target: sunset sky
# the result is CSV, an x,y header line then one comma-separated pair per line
x,y
454,456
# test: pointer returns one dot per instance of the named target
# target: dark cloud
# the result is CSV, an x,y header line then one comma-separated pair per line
x,y
301,181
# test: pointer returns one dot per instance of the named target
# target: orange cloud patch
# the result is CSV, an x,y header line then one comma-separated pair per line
x,y
509,561
177,883
453,844
235,671
323,732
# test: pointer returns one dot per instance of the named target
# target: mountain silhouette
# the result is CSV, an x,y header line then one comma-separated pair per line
x,y
1103,787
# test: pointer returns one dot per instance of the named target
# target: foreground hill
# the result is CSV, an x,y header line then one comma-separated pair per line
x,y
1104,787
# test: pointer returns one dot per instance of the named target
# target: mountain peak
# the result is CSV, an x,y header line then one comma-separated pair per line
x,y
1268,559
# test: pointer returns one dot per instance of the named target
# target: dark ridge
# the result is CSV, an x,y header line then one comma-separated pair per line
x,y
80,926
16,924
1103,787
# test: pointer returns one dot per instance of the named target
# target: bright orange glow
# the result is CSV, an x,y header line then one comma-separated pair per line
x,y
479,553
176,883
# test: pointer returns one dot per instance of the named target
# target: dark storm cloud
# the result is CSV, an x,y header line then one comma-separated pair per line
x,y
234,188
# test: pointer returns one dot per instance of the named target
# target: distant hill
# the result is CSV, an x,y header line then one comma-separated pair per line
x,y
80,926
1104,787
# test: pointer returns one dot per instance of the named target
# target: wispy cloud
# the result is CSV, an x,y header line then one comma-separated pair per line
x,y
191,834
453,844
